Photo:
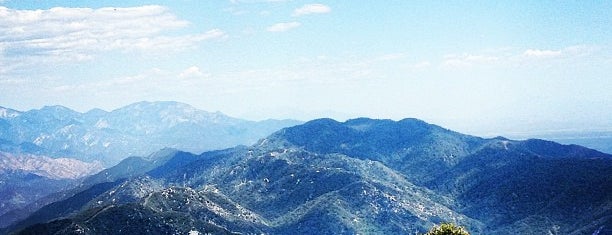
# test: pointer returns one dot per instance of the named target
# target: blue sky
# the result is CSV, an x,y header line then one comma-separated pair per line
x,y
482,67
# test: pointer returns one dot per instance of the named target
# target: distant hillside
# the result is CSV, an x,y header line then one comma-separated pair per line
x,y
48,150
361,176
599,140
26,178
136,129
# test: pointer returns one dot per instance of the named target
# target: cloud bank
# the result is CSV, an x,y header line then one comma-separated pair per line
x,y
75,34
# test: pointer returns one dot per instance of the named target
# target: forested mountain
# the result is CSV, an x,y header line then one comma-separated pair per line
x,y
360,176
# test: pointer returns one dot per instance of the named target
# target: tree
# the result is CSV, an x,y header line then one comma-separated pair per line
x,y
447,229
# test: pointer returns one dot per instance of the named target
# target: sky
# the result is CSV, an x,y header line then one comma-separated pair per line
x,y
481,67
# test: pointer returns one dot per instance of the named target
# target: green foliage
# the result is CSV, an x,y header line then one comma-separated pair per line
x,y
447,229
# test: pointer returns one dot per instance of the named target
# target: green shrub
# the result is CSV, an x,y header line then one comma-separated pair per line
x,y
447,229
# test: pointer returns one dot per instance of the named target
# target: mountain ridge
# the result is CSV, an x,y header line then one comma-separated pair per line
x,y
106,137
136,129
340,178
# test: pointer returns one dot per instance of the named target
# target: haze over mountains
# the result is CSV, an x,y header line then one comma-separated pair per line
x,y
47,150
600,140
513,100
136,129
360,176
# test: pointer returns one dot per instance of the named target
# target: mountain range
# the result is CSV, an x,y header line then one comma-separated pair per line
x,y
361,176
134,130
48,150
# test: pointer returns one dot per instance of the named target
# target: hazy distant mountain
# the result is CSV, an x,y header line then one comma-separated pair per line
x,y
600,140
54,168
136,129
29,140
26,178
361,176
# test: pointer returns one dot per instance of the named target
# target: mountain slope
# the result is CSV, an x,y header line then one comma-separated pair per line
x,y
19,188
26,178
503,183
54,168
413,147
523,186
283,190
361,176
128,168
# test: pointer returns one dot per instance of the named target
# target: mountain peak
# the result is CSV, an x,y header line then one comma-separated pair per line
x,y
322,121
164,109
171,113
56,108
367,124
383,127
414,121
55,112
96,112
351,137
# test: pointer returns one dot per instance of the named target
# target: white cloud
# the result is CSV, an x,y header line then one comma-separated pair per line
x,y
528,57
541,53
282,27
567,52
467,60
75,34
192,72
311,9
